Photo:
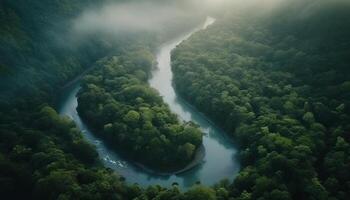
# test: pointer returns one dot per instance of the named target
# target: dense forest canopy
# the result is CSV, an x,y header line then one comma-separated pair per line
x,y
279,85
43,156
274,74
130,115
32,52
56,40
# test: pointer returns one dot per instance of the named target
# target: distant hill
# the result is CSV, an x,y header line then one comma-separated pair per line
x,y
35,53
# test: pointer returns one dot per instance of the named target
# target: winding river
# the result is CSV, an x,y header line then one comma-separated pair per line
x,y
219,161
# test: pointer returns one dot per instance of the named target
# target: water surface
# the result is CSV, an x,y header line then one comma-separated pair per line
x,y
219,161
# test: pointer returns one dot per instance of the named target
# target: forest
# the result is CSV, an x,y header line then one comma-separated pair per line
x,y
274,75
283,95
131,116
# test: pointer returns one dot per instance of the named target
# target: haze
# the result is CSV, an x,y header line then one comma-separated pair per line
x,y
155,16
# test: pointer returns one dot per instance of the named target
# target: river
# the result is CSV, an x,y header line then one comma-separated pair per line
x,y
219,161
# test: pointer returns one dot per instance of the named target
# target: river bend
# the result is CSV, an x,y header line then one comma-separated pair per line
x,y
219,161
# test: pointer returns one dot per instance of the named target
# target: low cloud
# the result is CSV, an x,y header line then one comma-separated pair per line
x,y
129,17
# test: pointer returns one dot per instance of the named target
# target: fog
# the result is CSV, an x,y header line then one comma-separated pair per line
x,y
150,16
135,17
128,17
156,16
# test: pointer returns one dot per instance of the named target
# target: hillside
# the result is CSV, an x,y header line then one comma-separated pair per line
x,y
35,56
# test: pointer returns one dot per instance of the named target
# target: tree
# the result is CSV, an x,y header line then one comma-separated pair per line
x,y
132,117
200,193
309,118
85,151
192,135
187,150
245,196
316,190
277,194
54,185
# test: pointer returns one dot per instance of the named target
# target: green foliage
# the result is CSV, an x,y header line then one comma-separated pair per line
x,y
200,193
132,117
279,84
309,118
35,58
43,156
279,89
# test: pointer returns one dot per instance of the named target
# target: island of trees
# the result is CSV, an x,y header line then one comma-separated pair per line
x,y
117,102
278,82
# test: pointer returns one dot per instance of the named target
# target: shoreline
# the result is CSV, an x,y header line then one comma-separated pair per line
x,y
196,161
205,116
145,174
77,78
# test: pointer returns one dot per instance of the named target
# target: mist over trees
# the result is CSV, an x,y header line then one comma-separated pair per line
x,y
273,73
278,85
55,41
129,115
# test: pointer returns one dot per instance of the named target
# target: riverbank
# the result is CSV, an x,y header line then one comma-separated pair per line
x,y
197,160
77,78
215,161
226,135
